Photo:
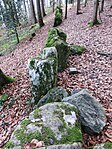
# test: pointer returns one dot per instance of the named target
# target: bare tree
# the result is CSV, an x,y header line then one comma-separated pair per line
x,y
95,13
43,9
78,7
66,1
85,3
53,5
40,19
102,5
33,11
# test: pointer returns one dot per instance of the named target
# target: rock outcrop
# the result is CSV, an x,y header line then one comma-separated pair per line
x,y
76,49
57,38
56,94
43,73
91,112
53,123
58,17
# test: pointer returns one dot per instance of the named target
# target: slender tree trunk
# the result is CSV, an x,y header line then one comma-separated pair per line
x,y
25,7
2,12
95,13
40,19
78,7
15,14
60,2
33,11
85,3
43,9
14,21
102,5
66,1
73,2
6,16
53,5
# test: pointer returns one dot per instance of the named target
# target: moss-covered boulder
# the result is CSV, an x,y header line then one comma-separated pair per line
x,y
56,94
53,123
5,79
76,49
91,112
43,73
58,16
106,145
57,38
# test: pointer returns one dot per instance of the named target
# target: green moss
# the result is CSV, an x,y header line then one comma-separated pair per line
x,y
51,35
25,122
62,127
91,24
32,62
36,114
73,135
3,98
68,109
8,145
47,134
76,49
108,145
26,137
58,16
10,79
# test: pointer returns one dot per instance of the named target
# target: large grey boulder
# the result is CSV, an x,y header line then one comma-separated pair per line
x,y
43,73
91,112
53,123
56,94
57,38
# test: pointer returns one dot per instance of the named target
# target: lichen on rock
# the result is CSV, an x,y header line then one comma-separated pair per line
x,y
46,126
56,94
76,49
43,73
57,38
58,16
91,112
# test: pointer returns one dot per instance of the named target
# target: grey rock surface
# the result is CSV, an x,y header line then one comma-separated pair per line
x,y
51,123
56,94
91,112
43,73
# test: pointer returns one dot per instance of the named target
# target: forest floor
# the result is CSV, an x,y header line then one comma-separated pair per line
x,y
95,70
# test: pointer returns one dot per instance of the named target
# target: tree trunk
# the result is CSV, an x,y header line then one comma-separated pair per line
x,y
5,79
95,13
40,19
78,7
25,7
66,1
15,14
53,5
102,5
73,2
14,21
43,9
33,11
85,2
